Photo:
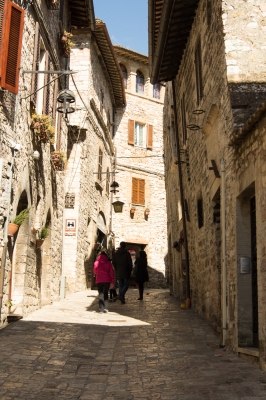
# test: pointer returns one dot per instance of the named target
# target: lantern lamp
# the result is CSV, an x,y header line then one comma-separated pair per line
x,y
114,187
118,206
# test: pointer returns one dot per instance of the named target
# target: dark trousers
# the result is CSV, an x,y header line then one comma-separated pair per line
x,y
103,289
113,293
123,285
141,289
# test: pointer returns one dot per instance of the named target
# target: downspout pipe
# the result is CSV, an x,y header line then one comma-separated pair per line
x,y
224,313
182,199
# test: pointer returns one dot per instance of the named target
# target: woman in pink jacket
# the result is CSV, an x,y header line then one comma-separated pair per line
x,y
104,272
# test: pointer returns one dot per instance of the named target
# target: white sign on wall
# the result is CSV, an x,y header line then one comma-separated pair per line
x,y
70,227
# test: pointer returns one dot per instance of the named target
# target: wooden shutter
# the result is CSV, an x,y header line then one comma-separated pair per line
x,y
11,47
184,120
100,165
35,65
138,191
107,180
198,67
55,101
3,4
150,136
141,191
131,131
46,89
134,191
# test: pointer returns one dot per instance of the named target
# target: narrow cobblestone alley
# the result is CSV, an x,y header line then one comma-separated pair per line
x,y
140,350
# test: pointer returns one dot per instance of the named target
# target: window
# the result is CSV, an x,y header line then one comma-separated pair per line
x,y
107,181
124,73
140,134
200,213
100,165
183,118
156,91
101,102
198,67
138,191
11,32
139,82
209,12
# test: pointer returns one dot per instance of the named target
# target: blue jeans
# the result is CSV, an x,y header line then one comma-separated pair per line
x,y
123,285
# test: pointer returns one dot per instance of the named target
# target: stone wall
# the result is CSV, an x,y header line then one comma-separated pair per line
x,y
87,134
138,231
34,277
231,128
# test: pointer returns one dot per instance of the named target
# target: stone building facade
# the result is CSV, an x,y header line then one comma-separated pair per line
x,y
30,275
99,91
214,144
139,166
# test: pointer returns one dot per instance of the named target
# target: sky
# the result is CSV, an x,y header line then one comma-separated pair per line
x,y
126,21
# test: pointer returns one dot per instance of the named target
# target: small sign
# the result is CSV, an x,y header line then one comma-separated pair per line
x,y
245,265
70,229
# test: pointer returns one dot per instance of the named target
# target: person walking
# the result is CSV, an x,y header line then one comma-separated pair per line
x,y
142,275
122,263
104,272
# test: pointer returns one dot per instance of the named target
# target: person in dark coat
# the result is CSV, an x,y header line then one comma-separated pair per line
x,y
141,272
122,263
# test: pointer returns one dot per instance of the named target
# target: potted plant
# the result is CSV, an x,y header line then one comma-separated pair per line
x,y
132,210
147,211
42,127
66,43
43,234
17,221
59,160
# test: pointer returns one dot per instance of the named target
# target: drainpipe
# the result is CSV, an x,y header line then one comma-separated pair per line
x,y
188,300
223,250
3,260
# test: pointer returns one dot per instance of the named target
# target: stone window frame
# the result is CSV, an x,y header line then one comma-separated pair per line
x,y
156,91
139,83
124,73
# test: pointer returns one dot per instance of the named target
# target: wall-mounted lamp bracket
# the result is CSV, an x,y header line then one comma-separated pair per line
x,y
215,169
193,127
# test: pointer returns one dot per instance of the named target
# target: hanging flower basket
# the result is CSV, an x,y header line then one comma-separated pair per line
x,y
12,229
59,160
65,43
147,211
42,126
132,210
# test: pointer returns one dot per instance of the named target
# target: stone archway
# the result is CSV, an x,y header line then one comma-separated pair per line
x,y
19,260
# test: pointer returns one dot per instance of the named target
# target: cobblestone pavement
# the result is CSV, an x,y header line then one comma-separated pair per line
x,y
140,350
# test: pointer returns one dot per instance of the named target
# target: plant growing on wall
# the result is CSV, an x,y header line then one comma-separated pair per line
x,y
21,217
17,221
42,126
42,234
59,160
66,43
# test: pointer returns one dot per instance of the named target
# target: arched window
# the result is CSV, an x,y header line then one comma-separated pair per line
x,y
139,82
156,90
124,72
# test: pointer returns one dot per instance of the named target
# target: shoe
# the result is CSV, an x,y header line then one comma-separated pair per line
x,y
140,298
105,310
121,299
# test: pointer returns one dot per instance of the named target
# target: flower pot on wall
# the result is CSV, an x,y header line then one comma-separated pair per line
x,y
39,243
12,229
132,210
